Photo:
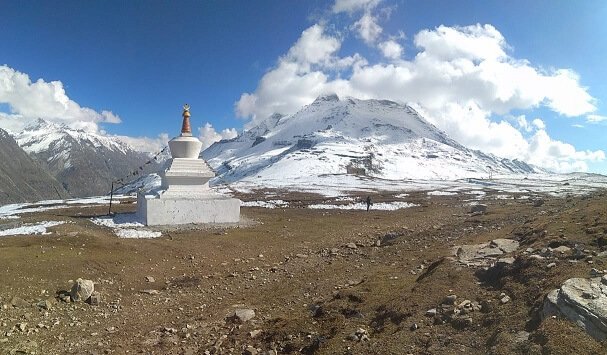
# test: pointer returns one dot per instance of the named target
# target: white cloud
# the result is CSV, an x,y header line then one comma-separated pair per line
x,y
208,135
595,118
313,47
577,125
48,100
146,144
367,28
539,124
463,78
391,49
353,5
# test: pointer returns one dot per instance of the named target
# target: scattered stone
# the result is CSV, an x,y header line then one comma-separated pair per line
x,y
504,298
478,208
242,315
431,312
505,245
583,301
301,256
19,302
450,299
414,327
150,292
250,350
521,337
95,299
563,249
351,246
82,290
359,335
21,326
254,333
149,279
551,265
45,304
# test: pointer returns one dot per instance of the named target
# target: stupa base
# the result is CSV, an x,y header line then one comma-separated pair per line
x,y
155,211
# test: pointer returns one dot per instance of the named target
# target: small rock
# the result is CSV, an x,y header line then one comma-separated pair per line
x,y
431,312
150,279
521,336
538,203
351,246
414,327
82,290
21,326
563,249
302,256
45,304
254,333
551,265
150,292
504,299
242,315
19,302
95,299
478,208
450,299
250,350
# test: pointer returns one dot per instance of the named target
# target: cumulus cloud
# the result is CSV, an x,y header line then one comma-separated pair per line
x,y
391,49
208,135
353,5
146,144
464,79
367,28
29,100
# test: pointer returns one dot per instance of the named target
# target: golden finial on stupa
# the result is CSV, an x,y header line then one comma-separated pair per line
x,y
186,129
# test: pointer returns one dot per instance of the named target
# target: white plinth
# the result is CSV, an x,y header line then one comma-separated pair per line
x,y
155,210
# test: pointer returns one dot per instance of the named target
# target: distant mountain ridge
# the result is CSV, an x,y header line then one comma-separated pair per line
x,y
375,138
21,178
85,163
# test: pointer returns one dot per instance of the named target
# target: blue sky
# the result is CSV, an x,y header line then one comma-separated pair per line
x,y
137,62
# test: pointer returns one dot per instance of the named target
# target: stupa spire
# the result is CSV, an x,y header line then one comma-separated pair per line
x,y
186,129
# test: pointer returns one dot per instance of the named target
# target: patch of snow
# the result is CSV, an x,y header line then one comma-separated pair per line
x,y
441,193
265,204
401,195
137,234
120,220
384,206
29,229
126,225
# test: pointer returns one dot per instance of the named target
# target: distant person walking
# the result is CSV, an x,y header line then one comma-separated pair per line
x,y
369,203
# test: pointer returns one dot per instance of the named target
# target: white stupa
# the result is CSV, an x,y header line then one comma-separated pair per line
x,y
185,196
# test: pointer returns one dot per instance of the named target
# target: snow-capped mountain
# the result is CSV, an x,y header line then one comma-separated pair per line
x,y
85,163
21,178
333,136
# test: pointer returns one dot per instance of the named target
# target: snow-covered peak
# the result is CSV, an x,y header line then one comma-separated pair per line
x,y
375,138
42,135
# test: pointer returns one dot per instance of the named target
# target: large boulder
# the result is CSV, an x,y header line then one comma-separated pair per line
x,y
485,253
81,290
583,301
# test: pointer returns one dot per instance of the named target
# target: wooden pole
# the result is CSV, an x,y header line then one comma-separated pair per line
x,y
109,212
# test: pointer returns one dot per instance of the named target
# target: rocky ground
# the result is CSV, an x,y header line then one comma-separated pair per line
x,y
431,279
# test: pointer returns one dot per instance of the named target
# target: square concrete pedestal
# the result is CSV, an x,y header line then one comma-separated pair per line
x,y
155,210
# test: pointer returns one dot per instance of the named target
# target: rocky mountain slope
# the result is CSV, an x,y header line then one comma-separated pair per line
x,y
375,138
85,163
21,178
